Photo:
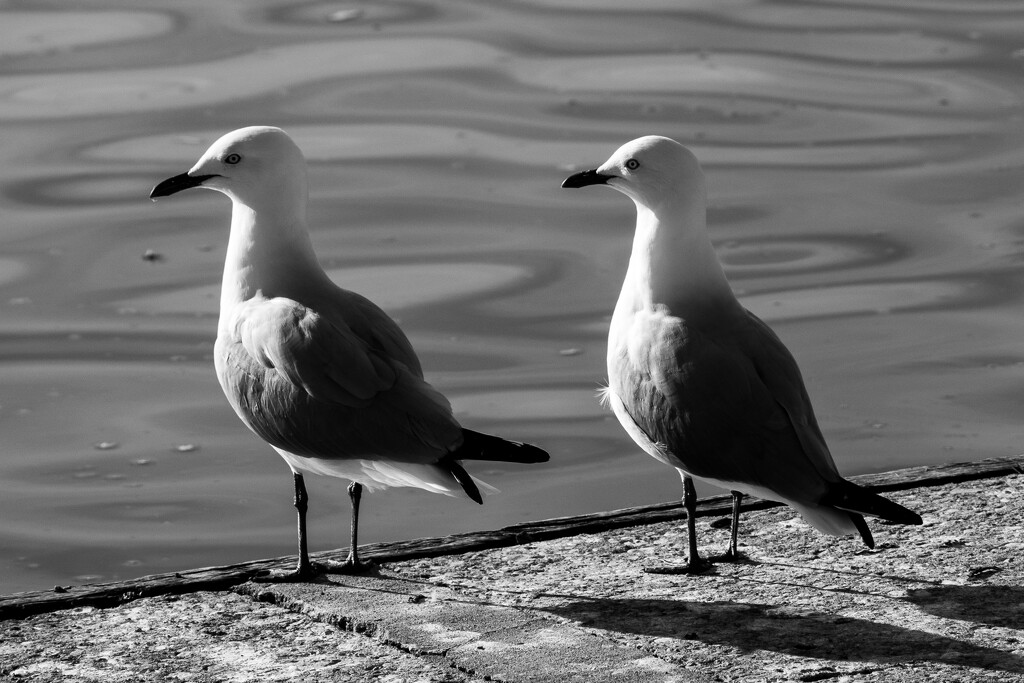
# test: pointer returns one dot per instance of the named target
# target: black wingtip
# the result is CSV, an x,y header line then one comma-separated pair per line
x,y
480,446
465,481
530,454
848,496
864,529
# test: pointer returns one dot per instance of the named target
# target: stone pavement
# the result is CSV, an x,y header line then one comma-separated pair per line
x,y
943,601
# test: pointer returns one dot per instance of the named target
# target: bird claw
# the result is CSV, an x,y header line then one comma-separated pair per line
x,y
315,572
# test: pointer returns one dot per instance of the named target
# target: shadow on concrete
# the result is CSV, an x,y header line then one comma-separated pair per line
x,y
767,627
993,605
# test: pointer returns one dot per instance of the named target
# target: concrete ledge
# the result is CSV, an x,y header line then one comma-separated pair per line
x,y
937,602
19,605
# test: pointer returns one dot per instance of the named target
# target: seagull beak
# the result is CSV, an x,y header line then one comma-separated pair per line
x,y
584,178
178,183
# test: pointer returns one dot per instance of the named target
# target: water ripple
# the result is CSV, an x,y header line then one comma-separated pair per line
x,y
765,256
777,78
391,286
863,145
27,33
217,82
877,298
864,164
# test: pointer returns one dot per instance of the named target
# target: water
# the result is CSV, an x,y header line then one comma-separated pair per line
x,y
865,170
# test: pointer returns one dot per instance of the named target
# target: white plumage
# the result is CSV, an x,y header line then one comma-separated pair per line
x,y
321,373
697,381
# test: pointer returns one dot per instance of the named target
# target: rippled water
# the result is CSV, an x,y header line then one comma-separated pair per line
x,y
865,175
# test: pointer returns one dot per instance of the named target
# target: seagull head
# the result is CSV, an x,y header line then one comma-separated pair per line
x,y
652,171
248,165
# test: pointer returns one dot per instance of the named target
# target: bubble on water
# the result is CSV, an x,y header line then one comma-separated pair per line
x,y
142,462
106,445
186,448
343,15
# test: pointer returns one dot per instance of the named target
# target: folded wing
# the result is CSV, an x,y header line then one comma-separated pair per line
x,y
308,383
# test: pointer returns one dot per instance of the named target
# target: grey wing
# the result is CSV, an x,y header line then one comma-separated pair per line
x,y
322,356
311,385
707,401
376,328
781,375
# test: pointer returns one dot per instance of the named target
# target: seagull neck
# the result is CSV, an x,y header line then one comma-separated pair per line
x,y
673,265
267,253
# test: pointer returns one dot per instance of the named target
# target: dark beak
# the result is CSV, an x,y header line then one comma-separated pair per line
x,y
177,184
584,178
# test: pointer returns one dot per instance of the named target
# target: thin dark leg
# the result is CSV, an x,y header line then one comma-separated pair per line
x,y
355,494
733,552
301,505
304,570
352,565
694,563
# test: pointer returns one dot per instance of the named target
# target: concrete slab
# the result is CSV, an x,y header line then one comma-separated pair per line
x,y
938,602
496,642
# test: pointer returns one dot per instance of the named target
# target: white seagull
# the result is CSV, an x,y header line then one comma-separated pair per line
x,y
318,372
699,382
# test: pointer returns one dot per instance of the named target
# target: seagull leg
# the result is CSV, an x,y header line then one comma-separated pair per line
x,y
733,553
355,494
695,564
301,505
352,565
304,570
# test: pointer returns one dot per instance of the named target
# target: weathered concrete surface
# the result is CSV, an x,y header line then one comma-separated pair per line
x,y
20,605
942,602
471,633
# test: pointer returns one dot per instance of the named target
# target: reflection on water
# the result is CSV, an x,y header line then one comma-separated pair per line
x,y
865,173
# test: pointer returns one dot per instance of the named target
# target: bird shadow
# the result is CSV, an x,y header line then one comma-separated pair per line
x,y
993,605
767,627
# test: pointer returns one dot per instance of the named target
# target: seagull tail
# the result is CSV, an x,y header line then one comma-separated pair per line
x,y
480,446
858,501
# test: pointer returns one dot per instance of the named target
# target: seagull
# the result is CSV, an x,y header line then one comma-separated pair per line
x,y
321,374
702,384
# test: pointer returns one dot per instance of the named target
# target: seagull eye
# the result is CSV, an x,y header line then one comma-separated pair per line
x,y
632,164
232,159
